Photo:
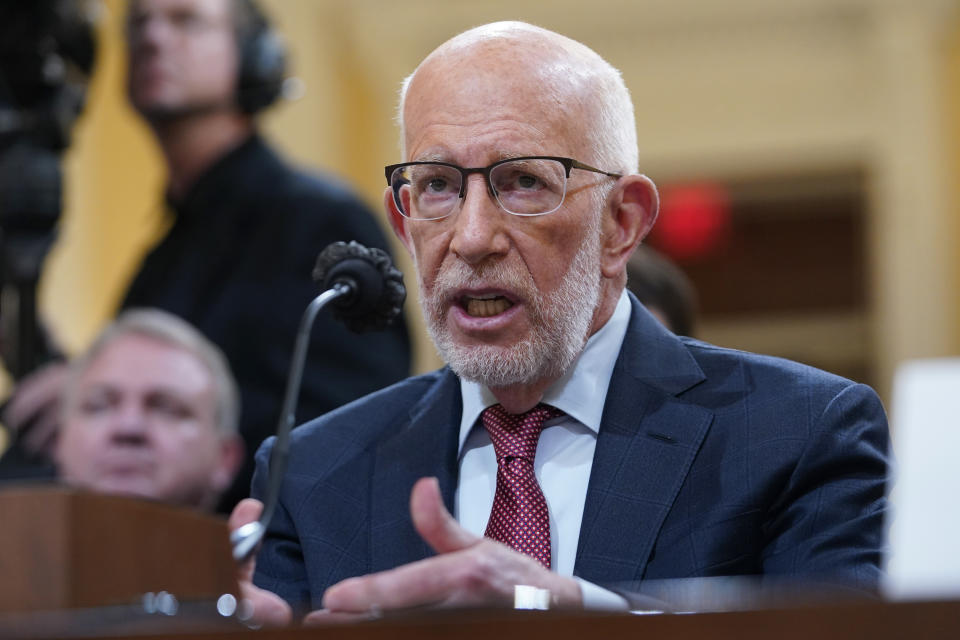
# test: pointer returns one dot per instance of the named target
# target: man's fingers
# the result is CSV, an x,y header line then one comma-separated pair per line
x,y
41,432
247,510
269,609
33,411
322,617
432,520
428,582
451,579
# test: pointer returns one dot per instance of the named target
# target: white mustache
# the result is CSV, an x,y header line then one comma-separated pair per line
x,y
458,275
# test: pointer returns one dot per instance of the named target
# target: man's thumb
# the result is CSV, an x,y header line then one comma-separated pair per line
x,y
247,510
432,520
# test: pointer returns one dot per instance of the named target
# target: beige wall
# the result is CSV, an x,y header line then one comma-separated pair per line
x,y
952,88
731,89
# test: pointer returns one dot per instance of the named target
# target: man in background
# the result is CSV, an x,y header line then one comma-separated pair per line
x,y
150,410
245,227
664,289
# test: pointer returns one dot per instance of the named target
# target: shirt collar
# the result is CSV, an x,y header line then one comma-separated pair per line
x,y
582,390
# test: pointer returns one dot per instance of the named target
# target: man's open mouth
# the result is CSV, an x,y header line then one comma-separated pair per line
x,y
485,306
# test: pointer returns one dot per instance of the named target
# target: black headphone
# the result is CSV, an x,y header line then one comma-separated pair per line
x,y
263,59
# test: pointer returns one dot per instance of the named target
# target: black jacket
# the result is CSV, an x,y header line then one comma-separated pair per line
x,y
237,264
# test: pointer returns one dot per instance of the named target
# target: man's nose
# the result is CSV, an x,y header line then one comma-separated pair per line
x,y
129,424
480,224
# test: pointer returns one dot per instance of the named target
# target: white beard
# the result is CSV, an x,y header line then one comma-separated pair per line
x,y
560,321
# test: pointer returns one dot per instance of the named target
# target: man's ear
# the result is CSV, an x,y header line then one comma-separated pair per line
x,y
632,209
397,221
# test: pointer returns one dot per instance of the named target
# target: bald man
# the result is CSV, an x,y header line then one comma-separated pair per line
x,y
571,442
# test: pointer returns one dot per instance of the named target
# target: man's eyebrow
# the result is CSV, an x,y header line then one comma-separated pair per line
x,y
439,156
99,385
432,156
510,155
96,390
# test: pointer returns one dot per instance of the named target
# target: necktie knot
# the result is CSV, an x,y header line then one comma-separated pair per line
x,y
515,435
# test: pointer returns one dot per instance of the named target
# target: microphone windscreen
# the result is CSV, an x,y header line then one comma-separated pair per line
x,y
376,286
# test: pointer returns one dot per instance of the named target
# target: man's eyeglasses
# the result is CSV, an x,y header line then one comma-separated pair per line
x,y
527,186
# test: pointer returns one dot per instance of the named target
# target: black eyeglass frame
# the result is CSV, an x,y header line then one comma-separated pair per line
x,y
568,164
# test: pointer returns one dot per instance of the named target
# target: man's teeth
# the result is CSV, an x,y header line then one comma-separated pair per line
x,y
487,307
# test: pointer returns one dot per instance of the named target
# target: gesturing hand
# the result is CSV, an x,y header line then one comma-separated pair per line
x,y
468,570
269,609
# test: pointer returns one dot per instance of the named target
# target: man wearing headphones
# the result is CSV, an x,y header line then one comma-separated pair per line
x,y
246,227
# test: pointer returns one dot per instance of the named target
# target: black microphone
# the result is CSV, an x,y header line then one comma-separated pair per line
x,y
377,291
367,293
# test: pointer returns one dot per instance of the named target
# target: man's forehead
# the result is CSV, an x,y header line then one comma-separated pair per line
x,y
443,154
144,358
488,117
508,62
529,77
211,8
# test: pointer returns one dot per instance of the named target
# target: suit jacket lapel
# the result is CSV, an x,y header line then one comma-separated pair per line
x,y
647,441
411,454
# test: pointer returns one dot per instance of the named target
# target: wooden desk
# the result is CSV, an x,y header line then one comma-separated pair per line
x,y
873,621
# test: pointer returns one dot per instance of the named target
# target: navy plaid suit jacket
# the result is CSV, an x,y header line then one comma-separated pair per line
x,y
709,462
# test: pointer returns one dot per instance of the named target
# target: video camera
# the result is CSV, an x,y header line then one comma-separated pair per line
x,y
47,52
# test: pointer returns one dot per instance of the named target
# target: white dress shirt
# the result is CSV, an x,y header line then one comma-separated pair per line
x,y
564,453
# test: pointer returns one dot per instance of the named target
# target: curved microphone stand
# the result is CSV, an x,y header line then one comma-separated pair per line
x,y
246,538
369,294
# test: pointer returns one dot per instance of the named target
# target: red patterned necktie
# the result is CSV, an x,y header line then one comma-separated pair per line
x,y
519,518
